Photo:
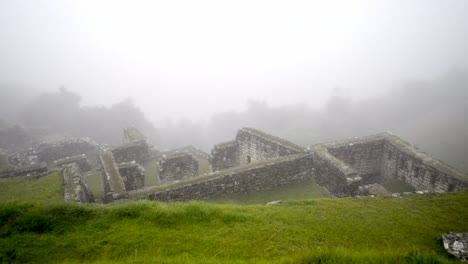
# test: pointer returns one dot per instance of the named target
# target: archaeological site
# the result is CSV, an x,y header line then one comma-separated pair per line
x,y
380,164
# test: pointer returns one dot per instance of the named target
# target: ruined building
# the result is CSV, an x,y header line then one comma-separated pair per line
x,y
250,146
343,167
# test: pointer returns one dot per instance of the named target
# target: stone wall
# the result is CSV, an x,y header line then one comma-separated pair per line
x,y
333,174
403,162
262,177
133,175
177,167
133,151
113,185
345,165
80,160
132,134
255,145
59,150
75,188
36,170
225,156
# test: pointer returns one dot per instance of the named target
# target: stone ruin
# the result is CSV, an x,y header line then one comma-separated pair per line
x,y
137,151
113,184
133,175
75,188
132,134
351,167
58,150
250,146
177,166
80,160
343,166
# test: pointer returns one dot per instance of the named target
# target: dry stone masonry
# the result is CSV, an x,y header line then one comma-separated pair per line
x,y
75,188
133,175
80,160
62,149
113,185
225,155
346,168
137,151
251,145
176,167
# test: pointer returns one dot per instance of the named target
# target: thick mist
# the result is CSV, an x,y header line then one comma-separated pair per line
x,y
192,73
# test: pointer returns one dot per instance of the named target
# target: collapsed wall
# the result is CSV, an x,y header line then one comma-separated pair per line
x,y
75,188
176,167
262,177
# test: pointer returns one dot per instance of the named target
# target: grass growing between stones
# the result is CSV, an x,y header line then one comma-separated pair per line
x,y
351,230
293,191
203,166
151,173
47,189
94,181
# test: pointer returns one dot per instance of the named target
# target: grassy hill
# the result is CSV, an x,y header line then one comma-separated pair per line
x,y
351,230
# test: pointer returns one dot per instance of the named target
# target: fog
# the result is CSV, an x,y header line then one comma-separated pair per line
x,y
192,72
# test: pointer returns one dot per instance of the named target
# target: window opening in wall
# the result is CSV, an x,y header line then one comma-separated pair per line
x,y
248,159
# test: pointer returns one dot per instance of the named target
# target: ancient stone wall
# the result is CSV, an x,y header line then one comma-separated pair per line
x,y
403,162
80,160
133,175
132,134
262,177
133,151
345,165
255,146
36,170
59,150
177,167
225,156
113,185
75,188
332,173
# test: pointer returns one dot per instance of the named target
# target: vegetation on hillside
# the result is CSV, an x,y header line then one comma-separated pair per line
x,y
352,230
47,189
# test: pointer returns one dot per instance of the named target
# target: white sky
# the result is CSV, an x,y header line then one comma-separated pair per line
x,y
190,59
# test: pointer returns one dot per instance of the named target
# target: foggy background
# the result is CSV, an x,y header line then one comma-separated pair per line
x,y
193,72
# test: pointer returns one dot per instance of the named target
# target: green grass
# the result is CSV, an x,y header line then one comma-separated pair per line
x,y
47,189
151,173
203,166
348,230
94,181
293,191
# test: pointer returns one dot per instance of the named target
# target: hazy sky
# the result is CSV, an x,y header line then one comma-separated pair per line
x,y
189,59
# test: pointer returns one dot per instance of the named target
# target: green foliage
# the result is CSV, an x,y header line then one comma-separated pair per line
x,y
351,230
47,189
299,190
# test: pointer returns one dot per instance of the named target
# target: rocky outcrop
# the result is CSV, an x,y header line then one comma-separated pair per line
x,y
456,245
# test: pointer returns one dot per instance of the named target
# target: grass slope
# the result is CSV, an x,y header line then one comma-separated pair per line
x,y
351,230
47,189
